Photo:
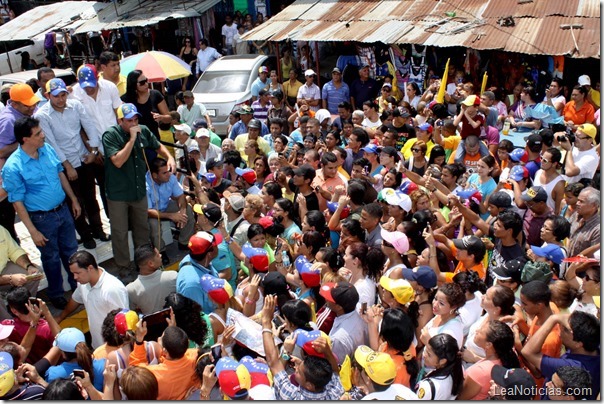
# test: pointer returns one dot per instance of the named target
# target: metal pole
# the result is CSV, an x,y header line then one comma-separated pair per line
x,y
278,59
317,63
10,65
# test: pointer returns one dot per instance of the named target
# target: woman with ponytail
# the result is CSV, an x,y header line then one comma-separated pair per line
x,y
497,340
363,268
473,287
76,355
444,373
392,331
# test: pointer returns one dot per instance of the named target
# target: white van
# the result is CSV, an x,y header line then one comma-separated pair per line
x,y
15,49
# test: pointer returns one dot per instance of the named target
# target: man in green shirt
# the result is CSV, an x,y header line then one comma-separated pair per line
x,y
125,168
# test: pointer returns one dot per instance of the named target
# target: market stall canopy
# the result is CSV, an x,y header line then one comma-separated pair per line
x,y
538,27
140,13
39,20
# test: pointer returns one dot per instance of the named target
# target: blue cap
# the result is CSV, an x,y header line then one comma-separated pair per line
x,y
86,77
370,148
552,252
127,111
423,275
68,339
517,154
425,127
56,87
518,173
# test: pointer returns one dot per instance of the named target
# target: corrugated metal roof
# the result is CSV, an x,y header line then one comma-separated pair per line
x,y
45,18
140,13
443,23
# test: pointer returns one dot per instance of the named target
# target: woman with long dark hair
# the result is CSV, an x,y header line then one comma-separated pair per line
x,y
190,317
149,103
497,340
283,212
363,267
188,53
392,331
442,362
473,288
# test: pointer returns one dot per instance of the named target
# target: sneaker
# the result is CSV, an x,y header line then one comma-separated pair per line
x,y
59,302
90,244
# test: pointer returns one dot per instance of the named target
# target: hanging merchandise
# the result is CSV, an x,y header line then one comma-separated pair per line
x,y
417,72
260,7
367,56
402,65
558,67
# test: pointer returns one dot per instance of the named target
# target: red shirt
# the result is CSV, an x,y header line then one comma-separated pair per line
x,y
467,129
42,343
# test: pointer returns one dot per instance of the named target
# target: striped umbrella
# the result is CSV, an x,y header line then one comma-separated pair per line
x,y
156,65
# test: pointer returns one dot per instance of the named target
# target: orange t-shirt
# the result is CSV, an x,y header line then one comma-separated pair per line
x,y
479,268
551,347
174,377
585,114
402,377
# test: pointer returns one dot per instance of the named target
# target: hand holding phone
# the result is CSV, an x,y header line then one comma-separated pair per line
x,y
216,352
364,308
33,301
79,373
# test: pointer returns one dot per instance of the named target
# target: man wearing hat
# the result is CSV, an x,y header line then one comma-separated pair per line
x,y
62,120
235,223
207,149
203,247
582,161
241,127
262,105
209,218
125,144
190,111
378,372
203,123
22,103
278,109
469,252
205,56
349,330
260,83
364,88
535,200
335,92
469,116
167,202
254,129
593,95
182,134
511,384
101,99
309,94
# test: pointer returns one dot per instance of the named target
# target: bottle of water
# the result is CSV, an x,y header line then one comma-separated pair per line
x,y
506,127
286,261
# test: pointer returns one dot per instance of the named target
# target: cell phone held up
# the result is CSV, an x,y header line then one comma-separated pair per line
x,y
364,308
34,302
216,352
159,317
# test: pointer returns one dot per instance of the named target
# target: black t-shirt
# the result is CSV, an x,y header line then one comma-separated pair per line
x,y
224,184
500,255
404,133
146,109
312,203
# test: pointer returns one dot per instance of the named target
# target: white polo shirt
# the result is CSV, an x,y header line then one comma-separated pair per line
x,y
101,110
108,294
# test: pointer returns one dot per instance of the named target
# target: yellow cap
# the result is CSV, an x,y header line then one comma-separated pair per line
x,y
379,366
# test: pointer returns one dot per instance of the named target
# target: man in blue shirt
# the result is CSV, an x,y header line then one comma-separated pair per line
x,y
260,83
37,186
204,248
247,114
22,103
335,92
166,201
205,56
362,89
580,335
62,120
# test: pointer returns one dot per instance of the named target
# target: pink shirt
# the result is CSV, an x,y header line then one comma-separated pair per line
x,y
42,343
480,372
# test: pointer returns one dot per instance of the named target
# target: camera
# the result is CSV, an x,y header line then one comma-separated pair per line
x,y
569,135
440,123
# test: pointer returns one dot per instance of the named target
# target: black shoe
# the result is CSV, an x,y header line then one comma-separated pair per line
x,y
90,244
100,235
183,247
165,260
59,302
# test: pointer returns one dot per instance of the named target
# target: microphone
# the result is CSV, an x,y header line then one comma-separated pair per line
x,y
138,137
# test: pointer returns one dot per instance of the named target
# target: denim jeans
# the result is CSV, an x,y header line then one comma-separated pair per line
x,y
59,228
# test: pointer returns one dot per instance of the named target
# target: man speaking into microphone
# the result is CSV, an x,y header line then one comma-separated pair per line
x,y
125,168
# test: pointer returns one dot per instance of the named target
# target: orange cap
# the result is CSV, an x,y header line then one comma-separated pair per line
x,y
24,94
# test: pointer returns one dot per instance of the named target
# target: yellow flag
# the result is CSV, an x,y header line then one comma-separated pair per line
x,y
346,374
485,77
440,97
313,311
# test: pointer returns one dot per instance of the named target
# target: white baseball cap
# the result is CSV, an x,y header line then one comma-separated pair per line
x,y
584,80
202,132
183,127
309,72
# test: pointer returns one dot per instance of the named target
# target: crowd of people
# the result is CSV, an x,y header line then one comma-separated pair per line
x,y
358,241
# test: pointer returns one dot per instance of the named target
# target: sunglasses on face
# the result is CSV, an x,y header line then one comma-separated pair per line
x,y
589,278
143,82
386,89
416,150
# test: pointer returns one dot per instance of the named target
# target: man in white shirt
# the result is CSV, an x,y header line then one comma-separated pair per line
x,y
349,330
310,93
190,111
148,292
98,290
205,56
582,161
229,29
101,99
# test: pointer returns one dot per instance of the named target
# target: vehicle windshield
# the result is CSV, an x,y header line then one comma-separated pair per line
x,y
222,82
